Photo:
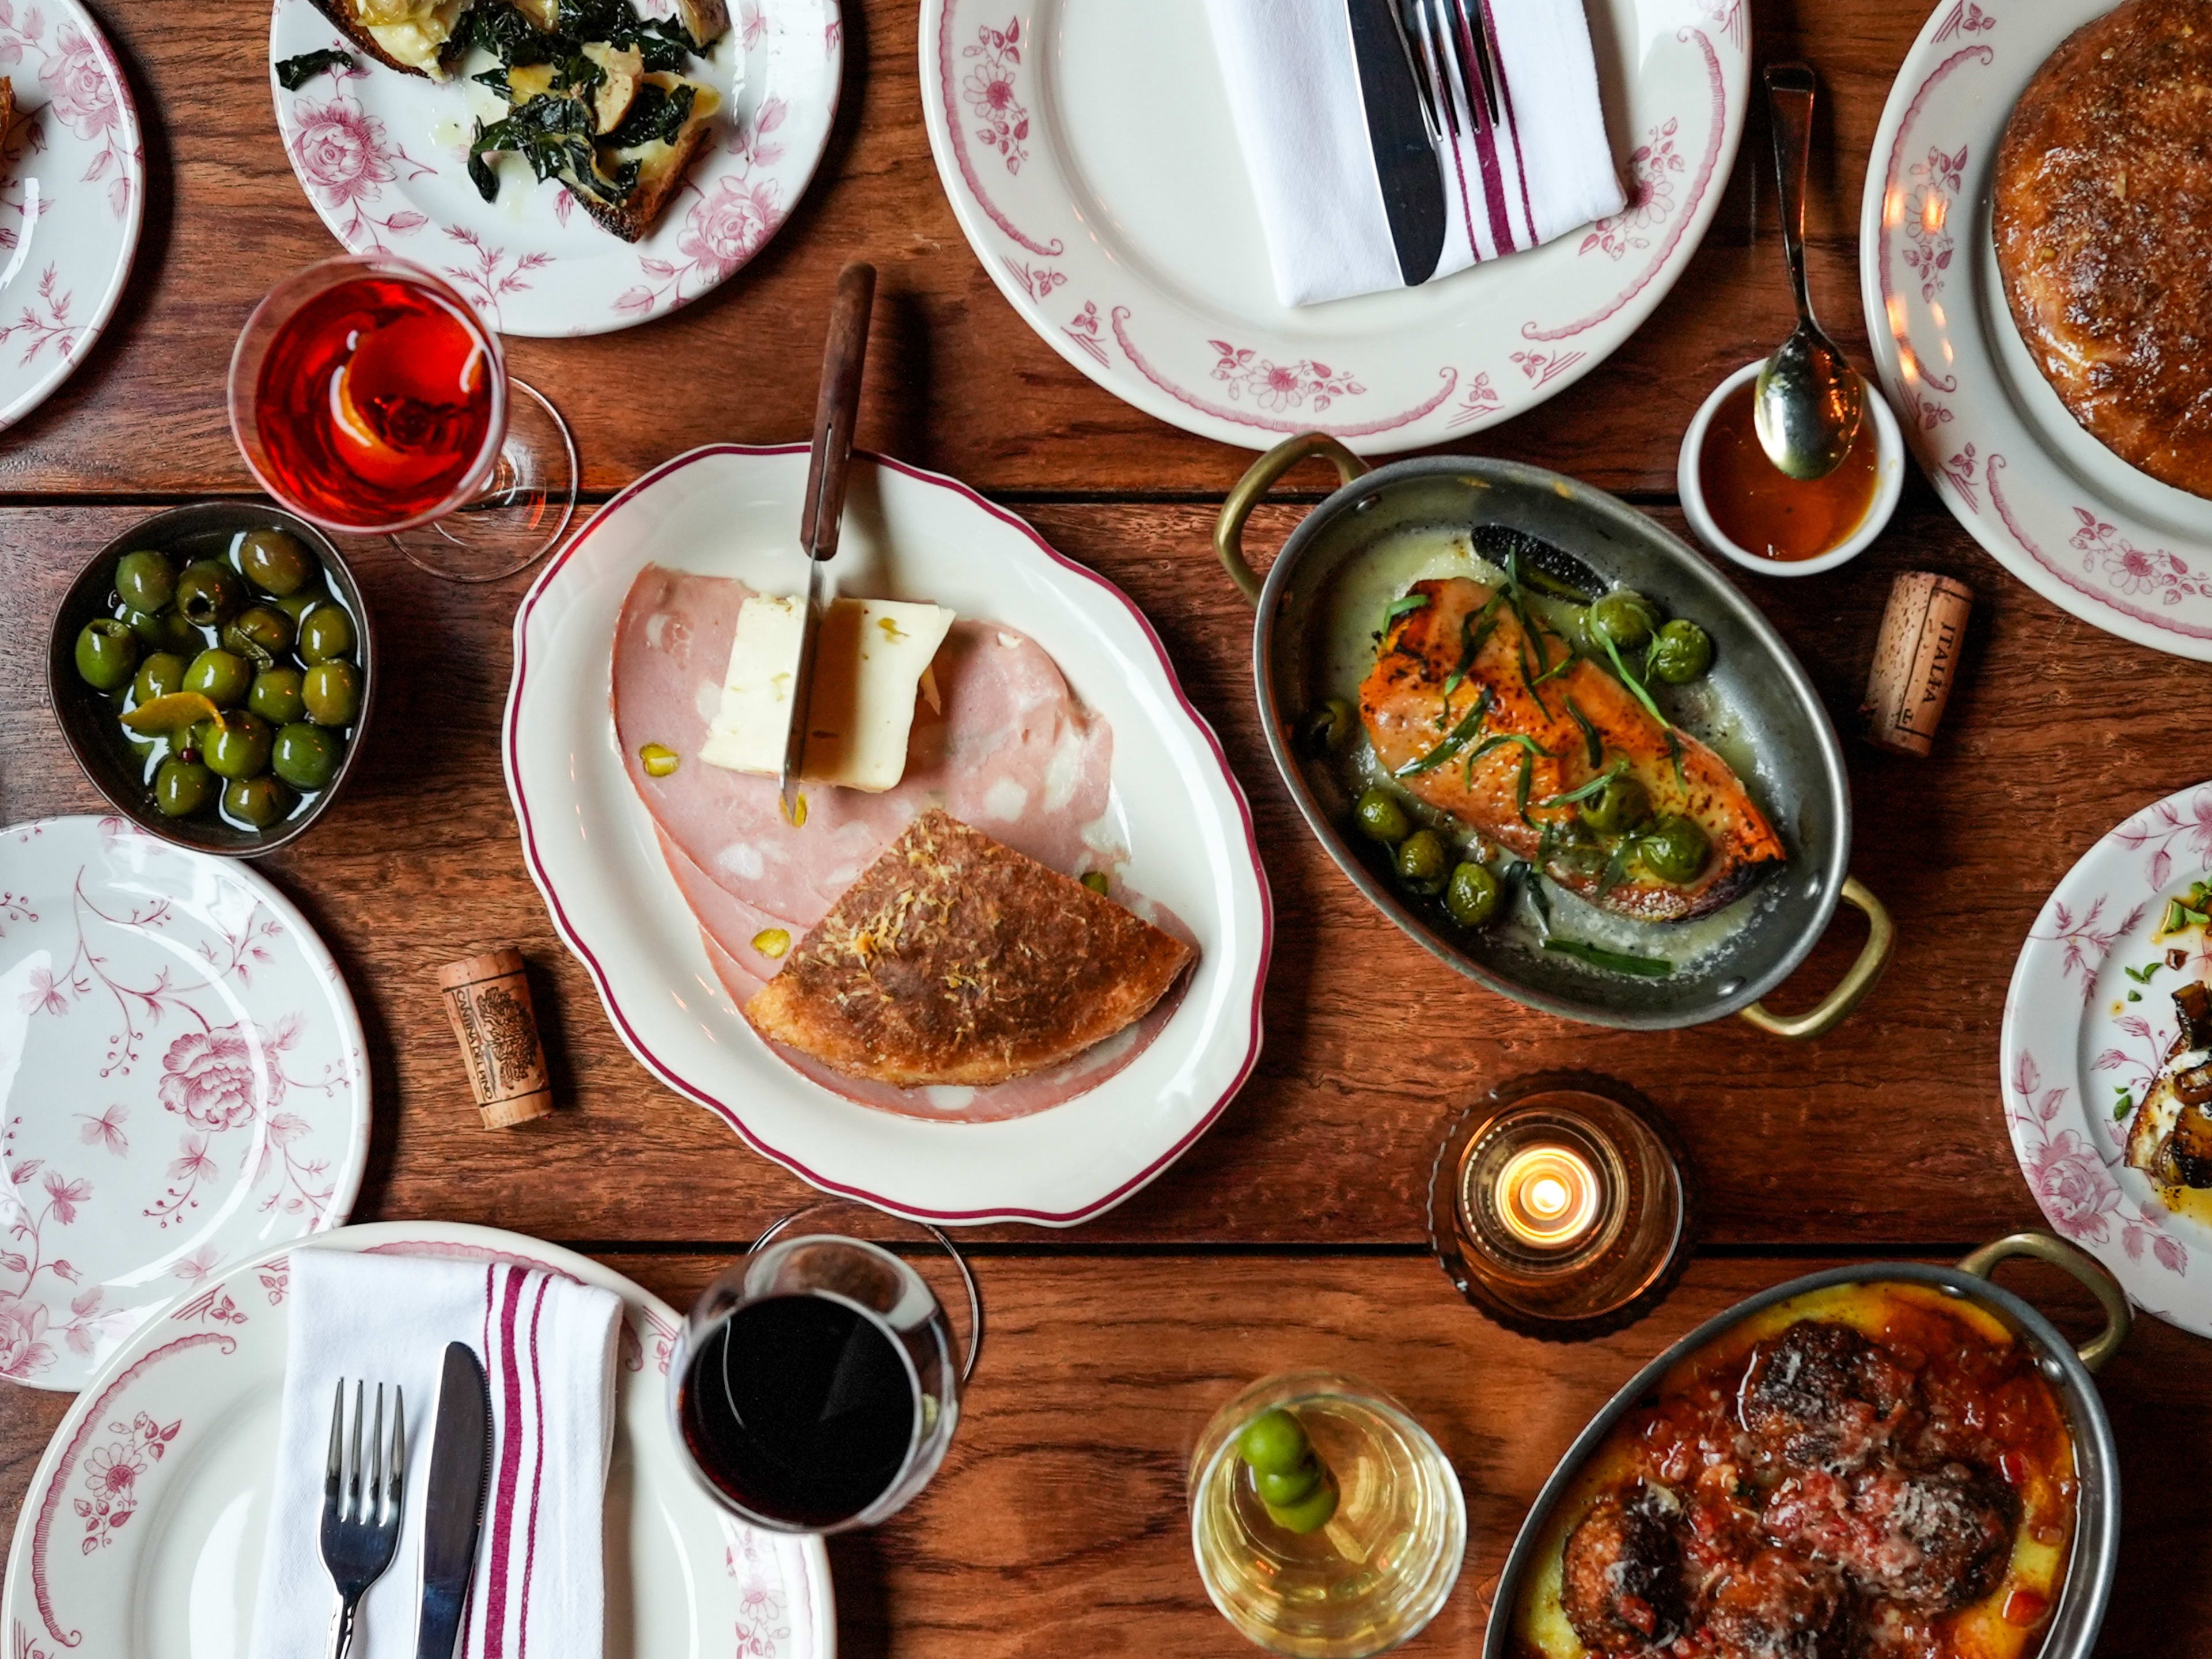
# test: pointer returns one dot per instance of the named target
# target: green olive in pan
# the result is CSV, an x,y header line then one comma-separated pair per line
x,y
1682,652
1619,806
257,802
106,654
165,630
1329,729
146,581
1674,849
326,633
159,674
276,696
307,757
296,605
332,691
1381,817
260,633
210,594
1423,864
220,677
182,787
238,746
275,562
1471,895
1623,617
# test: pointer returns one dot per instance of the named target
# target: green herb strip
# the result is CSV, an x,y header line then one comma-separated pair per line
x,y
295,72
1585,791
2180,915
1590,739
1458,738
1402,607
1616,866
2142,976
1619,962
1474,631
1635,685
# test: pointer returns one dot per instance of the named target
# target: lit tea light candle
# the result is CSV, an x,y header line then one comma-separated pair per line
x,y
1547,1196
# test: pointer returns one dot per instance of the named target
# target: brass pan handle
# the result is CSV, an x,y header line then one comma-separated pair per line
x,y
1851,989
2078,1264
1252,489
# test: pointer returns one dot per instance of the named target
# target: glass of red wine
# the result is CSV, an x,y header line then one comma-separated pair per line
x,y
367,396
816,1384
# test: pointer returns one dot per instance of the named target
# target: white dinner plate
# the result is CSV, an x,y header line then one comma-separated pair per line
x,y
72,192
182,1083
2087,1025
140,1535
2052,505
1087,148
383,156
732,511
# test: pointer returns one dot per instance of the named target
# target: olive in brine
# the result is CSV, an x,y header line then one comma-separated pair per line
x,y
1681,653
1619,806
297,606
257,802
1625,617
1329,729
275,562
276,696
332,691
159,675
326,633
1471,895
1422,864
307,757
238,745
220,677
145,580
1381,818
165,630
260,633
182,787
106,654
1675,849
210,594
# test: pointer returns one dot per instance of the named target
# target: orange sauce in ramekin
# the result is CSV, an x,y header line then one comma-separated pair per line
x,y
1765,511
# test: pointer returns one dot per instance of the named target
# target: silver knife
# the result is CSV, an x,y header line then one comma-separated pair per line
x,y
1403,136
452,1514
835,413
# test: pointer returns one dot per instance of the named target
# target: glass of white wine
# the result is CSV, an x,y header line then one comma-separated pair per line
x,y
1326,1524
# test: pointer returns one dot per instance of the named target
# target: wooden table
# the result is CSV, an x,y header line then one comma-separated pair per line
x,y
1293,1233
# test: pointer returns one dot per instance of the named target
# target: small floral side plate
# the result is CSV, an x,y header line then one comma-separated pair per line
x,y
72,189
182,1081
384,158
2087,1024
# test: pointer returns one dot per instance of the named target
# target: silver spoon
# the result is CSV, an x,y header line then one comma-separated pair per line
x,y
1809,401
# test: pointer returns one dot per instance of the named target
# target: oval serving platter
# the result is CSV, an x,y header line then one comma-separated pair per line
x,y
730,510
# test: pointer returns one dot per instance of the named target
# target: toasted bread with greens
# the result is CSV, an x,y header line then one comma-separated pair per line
x,y
416,37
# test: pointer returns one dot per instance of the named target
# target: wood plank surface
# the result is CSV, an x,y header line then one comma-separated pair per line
x,y
956,381
1058,1524
1889,1129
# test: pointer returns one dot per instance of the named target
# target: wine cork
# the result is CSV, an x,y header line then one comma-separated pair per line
x,y
488,1002
1915,656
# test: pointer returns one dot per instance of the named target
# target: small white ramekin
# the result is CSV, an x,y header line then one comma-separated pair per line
x,y
1888,485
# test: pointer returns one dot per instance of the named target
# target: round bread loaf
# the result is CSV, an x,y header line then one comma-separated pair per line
x,y
2103,212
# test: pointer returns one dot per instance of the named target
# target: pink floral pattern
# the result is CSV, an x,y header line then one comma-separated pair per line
x,y
1651,166
763,1625
1083,329
2072,1183
1002,122
1964,18
1480,400
344,157
1934,184
2086,942
1280,386
45,321
725,227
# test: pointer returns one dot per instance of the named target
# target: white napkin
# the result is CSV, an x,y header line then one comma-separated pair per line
x,y
548,1345
1543,169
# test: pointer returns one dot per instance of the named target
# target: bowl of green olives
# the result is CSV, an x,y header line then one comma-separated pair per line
x,y
212,672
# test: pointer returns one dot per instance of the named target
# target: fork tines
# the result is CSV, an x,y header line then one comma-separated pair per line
x,y
1453,46
346,1499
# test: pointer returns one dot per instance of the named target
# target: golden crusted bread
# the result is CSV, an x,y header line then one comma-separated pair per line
x,y
419,41
661,170
956,960
2103,220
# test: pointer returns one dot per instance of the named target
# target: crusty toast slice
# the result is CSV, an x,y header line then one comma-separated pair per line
x,y
417,40
661,166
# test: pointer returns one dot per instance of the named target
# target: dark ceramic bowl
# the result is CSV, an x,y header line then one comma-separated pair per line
x,y
88,719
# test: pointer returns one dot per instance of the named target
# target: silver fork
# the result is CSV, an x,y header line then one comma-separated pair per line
x,y
1454,47
361,1519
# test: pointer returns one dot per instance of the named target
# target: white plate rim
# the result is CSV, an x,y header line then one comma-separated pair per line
x,y
658,1321
2068,1155
1005,253
668,1074
347,1177
2031,515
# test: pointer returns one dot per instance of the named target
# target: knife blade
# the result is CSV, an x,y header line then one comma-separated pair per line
x,y
452,1512
836,411
1400,132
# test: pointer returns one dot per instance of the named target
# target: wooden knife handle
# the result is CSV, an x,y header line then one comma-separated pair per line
x,y
842,359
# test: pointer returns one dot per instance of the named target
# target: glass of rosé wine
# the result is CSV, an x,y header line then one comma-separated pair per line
x,y
367,396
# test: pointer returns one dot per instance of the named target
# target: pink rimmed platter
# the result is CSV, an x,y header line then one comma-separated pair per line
x,y
72,193
182,1083
1087,150
2088,1022
140,1531
590,844
2054,506
382,157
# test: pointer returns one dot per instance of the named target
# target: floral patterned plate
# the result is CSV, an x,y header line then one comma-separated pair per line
x,y
382,157
182,1082
2087,1024
72,188
1087,148
2052,505
140,1531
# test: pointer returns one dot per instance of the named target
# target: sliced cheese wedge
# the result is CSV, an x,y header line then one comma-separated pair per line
x,y
869,660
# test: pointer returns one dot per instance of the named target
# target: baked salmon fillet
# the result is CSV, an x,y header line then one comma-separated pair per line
x,y
954,959
1526,722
